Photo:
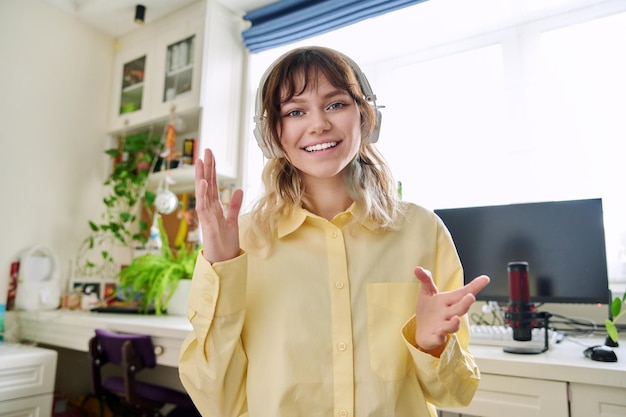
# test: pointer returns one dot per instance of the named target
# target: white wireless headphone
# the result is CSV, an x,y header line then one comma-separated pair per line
x,y
275,152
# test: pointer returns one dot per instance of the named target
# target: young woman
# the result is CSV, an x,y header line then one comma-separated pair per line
x,y
331,297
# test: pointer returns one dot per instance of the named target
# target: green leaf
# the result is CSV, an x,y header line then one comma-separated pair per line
x,y
113,153
616,306
611,330
149,198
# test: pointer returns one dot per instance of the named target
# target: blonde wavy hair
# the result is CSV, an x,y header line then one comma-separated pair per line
x,y
368,178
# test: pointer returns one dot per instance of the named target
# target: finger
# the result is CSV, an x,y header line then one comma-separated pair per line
x,y
426,279
210,175
462,306
235,206
200,185
451,326
476,285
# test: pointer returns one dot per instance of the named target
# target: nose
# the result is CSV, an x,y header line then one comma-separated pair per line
x,y
319,121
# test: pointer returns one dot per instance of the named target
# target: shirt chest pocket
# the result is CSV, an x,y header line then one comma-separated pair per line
x,y
389,306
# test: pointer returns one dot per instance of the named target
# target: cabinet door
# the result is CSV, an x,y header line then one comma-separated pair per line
x,y
597,401
222,88
132,77
503,396
178,64
36,405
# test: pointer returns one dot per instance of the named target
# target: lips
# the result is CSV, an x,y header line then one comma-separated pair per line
x,y
320,146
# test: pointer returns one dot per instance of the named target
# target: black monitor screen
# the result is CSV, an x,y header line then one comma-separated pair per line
x,y
562,241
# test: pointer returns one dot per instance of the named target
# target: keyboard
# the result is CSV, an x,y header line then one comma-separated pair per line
x,y
502,336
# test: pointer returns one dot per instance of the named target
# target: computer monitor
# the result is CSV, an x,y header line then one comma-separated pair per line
x,y
562,241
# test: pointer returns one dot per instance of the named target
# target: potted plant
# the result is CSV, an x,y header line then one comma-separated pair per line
x,y
133,160
152,278
616,313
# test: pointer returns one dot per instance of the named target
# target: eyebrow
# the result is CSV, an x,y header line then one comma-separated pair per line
x,y
326,96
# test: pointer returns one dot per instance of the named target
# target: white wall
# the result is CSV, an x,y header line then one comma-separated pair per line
x,y
55,77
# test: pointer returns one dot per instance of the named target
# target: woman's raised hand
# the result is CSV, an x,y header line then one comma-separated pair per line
x,y
437,313
220,231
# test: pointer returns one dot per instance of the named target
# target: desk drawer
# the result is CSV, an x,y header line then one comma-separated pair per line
x,y
503,396
26,371
38,405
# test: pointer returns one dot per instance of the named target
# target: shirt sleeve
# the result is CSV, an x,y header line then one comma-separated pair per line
x,y
452,379
212,363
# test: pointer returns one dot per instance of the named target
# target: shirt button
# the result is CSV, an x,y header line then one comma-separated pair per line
x,y
334,234
339,284
342,346
343,413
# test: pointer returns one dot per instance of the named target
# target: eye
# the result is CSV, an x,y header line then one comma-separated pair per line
x,y
294,113
335,106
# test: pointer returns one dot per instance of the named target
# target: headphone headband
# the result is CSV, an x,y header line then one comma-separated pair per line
x,y
265,146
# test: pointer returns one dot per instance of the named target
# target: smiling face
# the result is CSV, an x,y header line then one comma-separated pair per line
x,y
320,130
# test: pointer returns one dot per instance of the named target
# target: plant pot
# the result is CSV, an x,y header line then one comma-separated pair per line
x,y
177,306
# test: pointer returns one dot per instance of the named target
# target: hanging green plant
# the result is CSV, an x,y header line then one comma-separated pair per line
x,y
120,224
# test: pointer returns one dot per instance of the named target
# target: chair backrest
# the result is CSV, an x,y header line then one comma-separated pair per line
x,y
111,345
132,353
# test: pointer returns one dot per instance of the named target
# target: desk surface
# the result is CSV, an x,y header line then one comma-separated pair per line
x,y
72,329
563,362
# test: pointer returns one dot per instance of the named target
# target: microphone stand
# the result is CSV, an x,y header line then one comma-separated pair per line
x,y
532,350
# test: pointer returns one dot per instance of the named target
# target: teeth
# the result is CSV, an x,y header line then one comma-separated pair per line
x,y
320,147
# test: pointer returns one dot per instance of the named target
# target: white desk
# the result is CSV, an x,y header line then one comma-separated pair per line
x,y
558,383
72,329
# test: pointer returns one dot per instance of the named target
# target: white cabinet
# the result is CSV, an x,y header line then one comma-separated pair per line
x,y
560,382
130,87
504,396
27,376
223,89
597,400
178,65
156,67
192,62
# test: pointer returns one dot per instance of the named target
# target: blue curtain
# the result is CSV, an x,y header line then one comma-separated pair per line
x,y
288,21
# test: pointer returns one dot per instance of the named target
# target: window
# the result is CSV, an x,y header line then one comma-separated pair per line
x,y
498,102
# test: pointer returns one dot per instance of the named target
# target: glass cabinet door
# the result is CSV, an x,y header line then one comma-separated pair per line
x,y
179,66
132,85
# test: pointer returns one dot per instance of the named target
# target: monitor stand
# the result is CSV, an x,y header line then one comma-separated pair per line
x,y
533,350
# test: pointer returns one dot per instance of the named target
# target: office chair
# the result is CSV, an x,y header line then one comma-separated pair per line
x,y
132,353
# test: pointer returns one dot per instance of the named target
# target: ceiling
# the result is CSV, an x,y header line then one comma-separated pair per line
x,y
116,17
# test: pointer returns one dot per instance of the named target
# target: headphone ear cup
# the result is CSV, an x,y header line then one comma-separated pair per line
x,y
270,152
259,140
376,132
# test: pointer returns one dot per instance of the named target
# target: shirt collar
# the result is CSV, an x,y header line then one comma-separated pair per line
x,y
298,216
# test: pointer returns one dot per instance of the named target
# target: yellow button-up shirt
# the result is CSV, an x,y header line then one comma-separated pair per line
x,y
324,324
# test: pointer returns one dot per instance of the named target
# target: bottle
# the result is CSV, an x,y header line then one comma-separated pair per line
x,y
15,268
2,310
154,240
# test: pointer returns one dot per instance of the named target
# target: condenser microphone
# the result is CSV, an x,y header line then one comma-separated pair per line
x,y
520,310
